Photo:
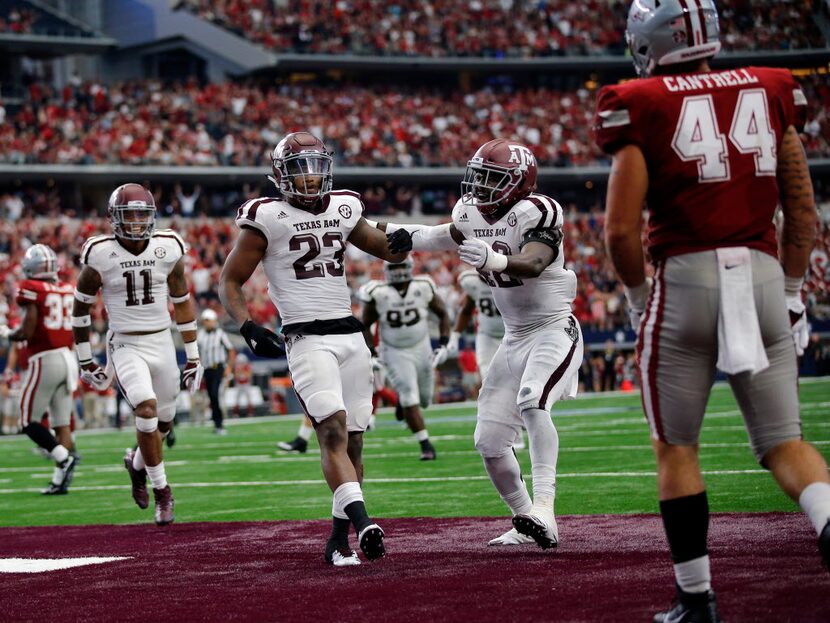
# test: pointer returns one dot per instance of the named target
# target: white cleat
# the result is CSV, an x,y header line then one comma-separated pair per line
x,y
512,537
541,529
344,558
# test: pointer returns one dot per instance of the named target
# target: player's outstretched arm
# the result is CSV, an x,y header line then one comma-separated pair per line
x,y
798,203
406,238
368,237
241,263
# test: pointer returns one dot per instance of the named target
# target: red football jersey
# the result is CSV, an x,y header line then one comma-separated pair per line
x,y
710,141
54,302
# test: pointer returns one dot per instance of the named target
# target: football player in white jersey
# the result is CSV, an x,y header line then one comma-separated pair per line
x,y
401,306
513,237
300,239
138,269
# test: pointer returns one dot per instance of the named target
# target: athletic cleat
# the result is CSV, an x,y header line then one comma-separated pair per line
x,y
343,556
298,444
399,412
543,532
824,545
427,451
512,537
164,506
170,440
54,489
691,608
220,431
138,477
371,542
67,471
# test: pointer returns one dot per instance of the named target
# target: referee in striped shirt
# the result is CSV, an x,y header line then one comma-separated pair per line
x,y
217,355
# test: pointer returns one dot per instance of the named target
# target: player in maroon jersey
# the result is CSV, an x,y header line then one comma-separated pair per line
x,y
52,372
711,153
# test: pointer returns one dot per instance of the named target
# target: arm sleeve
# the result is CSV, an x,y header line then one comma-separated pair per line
x,y
426,237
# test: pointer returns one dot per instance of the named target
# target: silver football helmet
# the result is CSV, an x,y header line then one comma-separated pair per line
x,y
40,262
666,32
398,273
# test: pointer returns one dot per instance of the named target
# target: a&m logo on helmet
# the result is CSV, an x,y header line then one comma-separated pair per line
x,y
521,155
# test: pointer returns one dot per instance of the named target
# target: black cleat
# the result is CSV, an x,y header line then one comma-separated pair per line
x,y
340,554
399,412
691,608
68,471
164,506
824,545
170,440
545,533
138,480
54,489
427,451
298,444
371,542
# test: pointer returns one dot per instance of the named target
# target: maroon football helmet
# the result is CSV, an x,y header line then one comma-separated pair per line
x,y
499,174
132,212
301,164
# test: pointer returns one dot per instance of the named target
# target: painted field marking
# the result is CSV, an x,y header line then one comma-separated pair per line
x,y
41,565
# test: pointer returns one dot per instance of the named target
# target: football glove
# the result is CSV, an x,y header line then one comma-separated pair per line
x,y
96,376
263,342
452,345
399,241
479,254
798,323
439,356
191,376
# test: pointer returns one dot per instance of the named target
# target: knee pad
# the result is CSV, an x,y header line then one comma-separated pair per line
x,y
146,424
493,439
321,405
530,396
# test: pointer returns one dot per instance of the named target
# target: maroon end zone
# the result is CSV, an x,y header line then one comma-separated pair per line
x,y
766,568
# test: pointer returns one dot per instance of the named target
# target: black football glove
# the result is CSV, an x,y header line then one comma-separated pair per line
x,y
399,241
263,342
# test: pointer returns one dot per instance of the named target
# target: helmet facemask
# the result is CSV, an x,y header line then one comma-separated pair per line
x,y
488,186
398,273
134,221
304,178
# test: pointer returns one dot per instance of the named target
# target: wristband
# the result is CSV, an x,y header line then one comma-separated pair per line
x,y
89,299
84,351
180,299
499,261
637,296
191,349
81,321
793,285
187,326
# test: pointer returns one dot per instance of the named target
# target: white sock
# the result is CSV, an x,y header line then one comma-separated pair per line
x,y
305,431
344,495
59,453
138,460
544,451
422,435
815,501
506,476
157,476
337,509
693,576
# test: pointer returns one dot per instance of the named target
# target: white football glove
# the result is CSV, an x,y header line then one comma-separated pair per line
x,y
93,374
798,323
439,356
452,345
4,331
637,299
191,377
481,255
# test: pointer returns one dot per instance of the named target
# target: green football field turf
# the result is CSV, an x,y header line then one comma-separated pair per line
x,y
605,466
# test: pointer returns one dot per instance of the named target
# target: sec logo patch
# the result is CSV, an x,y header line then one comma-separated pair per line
x,y
160,252
511,219
345,211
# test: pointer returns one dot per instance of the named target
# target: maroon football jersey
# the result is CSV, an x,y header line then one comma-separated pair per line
x,y
710,141
54,313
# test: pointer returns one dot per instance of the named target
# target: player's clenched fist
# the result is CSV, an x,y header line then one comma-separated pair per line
x,y
263,342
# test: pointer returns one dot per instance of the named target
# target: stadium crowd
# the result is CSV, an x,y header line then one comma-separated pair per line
x,y
230,124
489,28
18,21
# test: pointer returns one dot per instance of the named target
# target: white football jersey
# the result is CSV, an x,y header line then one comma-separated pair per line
x,y
489,317
304,261
525,304
134,287
404,316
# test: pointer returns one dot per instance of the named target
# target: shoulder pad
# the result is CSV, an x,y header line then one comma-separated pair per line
x,y
93,244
